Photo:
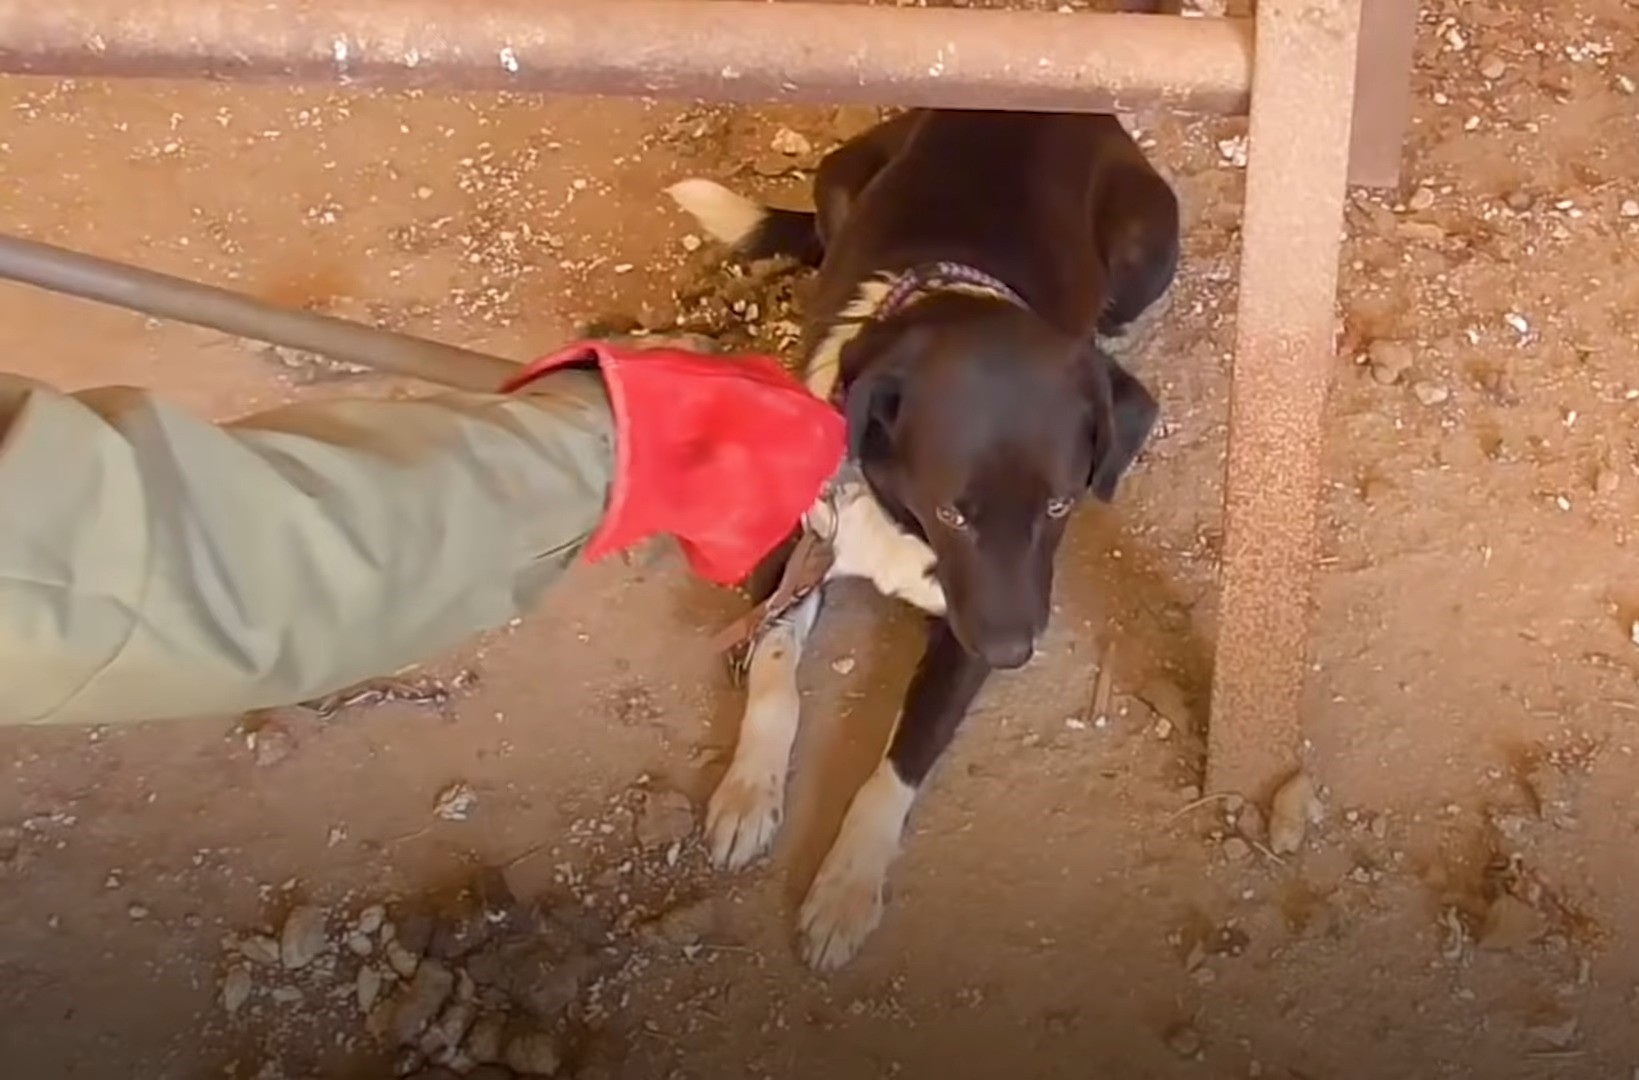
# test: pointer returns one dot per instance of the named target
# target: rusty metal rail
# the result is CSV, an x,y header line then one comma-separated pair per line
x,y
722,50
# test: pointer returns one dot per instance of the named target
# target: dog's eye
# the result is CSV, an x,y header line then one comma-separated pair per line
x,y
1057,508
952,517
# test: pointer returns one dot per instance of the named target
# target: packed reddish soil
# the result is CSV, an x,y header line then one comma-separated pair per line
x,y
193,899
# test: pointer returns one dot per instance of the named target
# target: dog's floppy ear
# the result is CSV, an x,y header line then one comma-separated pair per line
x,y
1123,413
879,355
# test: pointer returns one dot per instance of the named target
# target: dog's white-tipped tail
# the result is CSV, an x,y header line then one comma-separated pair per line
x,y
728,217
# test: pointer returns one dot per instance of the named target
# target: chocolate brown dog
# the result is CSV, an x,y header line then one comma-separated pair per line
x,y
968,260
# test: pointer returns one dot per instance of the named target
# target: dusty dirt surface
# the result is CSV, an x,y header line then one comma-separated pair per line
x,y
200,898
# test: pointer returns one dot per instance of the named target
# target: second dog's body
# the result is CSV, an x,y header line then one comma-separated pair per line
x,y
967,262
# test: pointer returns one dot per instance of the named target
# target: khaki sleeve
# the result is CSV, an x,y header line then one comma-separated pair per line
x,y
156,565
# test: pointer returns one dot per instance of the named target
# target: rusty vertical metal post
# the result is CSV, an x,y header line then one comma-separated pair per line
x,y
1303,83
1382,91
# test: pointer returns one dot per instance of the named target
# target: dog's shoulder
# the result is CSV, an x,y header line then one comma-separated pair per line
x,y
834,332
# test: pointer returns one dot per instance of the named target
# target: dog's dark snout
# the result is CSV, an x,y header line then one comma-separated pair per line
x,y
1010,650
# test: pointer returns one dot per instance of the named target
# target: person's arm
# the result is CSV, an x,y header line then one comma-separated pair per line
x,y
156,565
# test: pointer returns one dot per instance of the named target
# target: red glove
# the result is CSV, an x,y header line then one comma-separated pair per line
x,y
725,453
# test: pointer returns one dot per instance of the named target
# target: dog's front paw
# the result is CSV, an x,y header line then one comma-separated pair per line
x,y
743,815
843,907
845,902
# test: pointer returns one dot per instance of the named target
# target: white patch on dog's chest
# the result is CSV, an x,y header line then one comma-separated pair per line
x,y
867,543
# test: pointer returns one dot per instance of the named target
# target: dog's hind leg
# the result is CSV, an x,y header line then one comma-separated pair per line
x,y
746,809
849,169
844,903
1137,225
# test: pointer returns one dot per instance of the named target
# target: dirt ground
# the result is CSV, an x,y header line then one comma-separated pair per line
x,y
1066,905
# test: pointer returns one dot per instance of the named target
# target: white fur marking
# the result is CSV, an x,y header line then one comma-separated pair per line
x,y
745,811
867,543
845,902
728,217
824,366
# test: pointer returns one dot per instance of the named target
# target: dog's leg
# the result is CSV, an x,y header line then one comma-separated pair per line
x,y
1137,225
847,170
745,811
844,903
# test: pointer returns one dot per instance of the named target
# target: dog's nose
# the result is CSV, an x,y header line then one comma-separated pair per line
x,y
1009,650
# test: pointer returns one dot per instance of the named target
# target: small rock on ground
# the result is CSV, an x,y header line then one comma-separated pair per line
x,y
259,949
792,143
484,1040
1184,1040
302,939
1556,1034
1430,393
370,919
402,960
456,802
1294,809
270,743
367,988
1389,360
667,817
1168,700
533,1054
419,1002
236,987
